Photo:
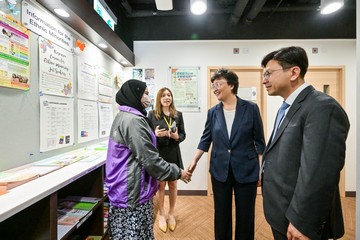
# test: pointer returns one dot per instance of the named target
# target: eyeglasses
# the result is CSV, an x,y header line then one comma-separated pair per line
x,y
267,74
217,85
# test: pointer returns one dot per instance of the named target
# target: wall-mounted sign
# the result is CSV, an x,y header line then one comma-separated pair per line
x,y
45,25
184,83
105,13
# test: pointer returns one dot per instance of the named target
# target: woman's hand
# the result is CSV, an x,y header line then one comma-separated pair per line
x,y
192,166
161,132
174,135
197,156
185,176
294,234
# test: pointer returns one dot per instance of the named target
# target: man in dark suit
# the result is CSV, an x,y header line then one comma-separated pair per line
x,y
303,160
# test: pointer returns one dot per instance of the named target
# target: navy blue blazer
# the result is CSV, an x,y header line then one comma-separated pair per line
x,y
242,149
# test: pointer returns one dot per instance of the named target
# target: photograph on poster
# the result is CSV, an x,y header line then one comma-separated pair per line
x,y
137,73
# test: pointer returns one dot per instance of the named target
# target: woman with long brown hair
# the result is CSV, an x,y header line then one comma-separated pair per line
x,y
169,131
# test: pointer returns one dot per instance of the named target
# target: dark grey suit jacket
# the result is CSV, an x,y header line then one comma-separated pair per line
x,y
303,164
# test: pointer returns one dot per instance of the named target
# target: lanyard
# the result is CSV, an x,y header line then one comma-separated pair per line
x,y
167,123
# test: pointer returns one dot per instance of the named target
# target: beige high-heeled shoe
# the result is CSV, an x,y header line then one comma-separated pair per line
x,y
172,223
163,224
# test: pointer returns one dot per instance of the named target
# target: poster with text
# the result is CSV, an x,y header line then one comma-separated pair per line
x,y
105,93
56,122
56,69
150,75
150,83
104,76
105,85
14,54
184,83
45,25
106,118
87,81
88,124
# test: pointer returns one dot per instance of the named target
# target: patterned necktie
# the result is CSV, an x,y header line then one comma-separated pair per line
x,y
279,118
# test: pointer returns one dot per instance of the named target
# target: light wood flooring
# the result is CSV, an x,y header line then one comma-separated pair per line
x,y
195,219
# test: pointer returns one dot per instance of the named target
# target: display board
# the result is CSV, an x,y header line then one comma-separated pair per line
x,y
58,111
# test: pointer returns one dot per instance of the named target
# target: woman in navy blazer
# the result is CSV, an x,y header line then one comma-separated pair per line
x,y
235,129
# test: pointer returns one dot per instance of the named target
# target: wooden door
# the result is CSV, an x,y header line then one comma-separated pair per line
x,y
330,80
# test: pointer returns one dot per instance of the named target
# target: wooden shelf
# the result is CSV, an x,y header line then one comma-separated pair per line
x,y
33,205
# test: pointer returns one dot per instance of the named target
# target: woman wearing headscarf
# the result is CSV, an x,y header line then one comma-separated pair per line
x,y
133,166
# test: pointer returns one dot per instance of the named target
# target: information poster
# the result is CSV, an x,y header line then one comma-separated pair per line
x,y
104,76
56,69
87,121
87,81
150,81
56,122
105,85
137,73
106,118
105,90
14,54
11,8
150,75
184,82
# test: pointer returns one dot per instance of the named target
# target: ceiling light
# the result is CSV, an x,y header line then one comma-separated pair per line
x,y
123,62
198,7
164,5
102,45
61,12
330,6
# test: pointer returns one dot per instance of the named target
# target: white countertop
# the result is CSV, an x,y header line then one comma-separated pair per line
x,y
23,196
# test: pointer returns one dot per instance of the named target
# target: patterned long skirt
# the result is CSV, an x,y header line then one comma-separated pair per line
x,y
132,224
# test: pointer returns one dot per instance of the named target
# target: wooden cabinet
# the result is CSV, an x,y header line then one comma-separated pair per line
x,y
29,211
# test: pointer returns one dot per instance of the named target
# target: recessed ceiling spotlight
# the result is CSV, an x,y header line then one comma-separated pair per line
x,y
124,62
61,12
330,6
198,7
102,45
